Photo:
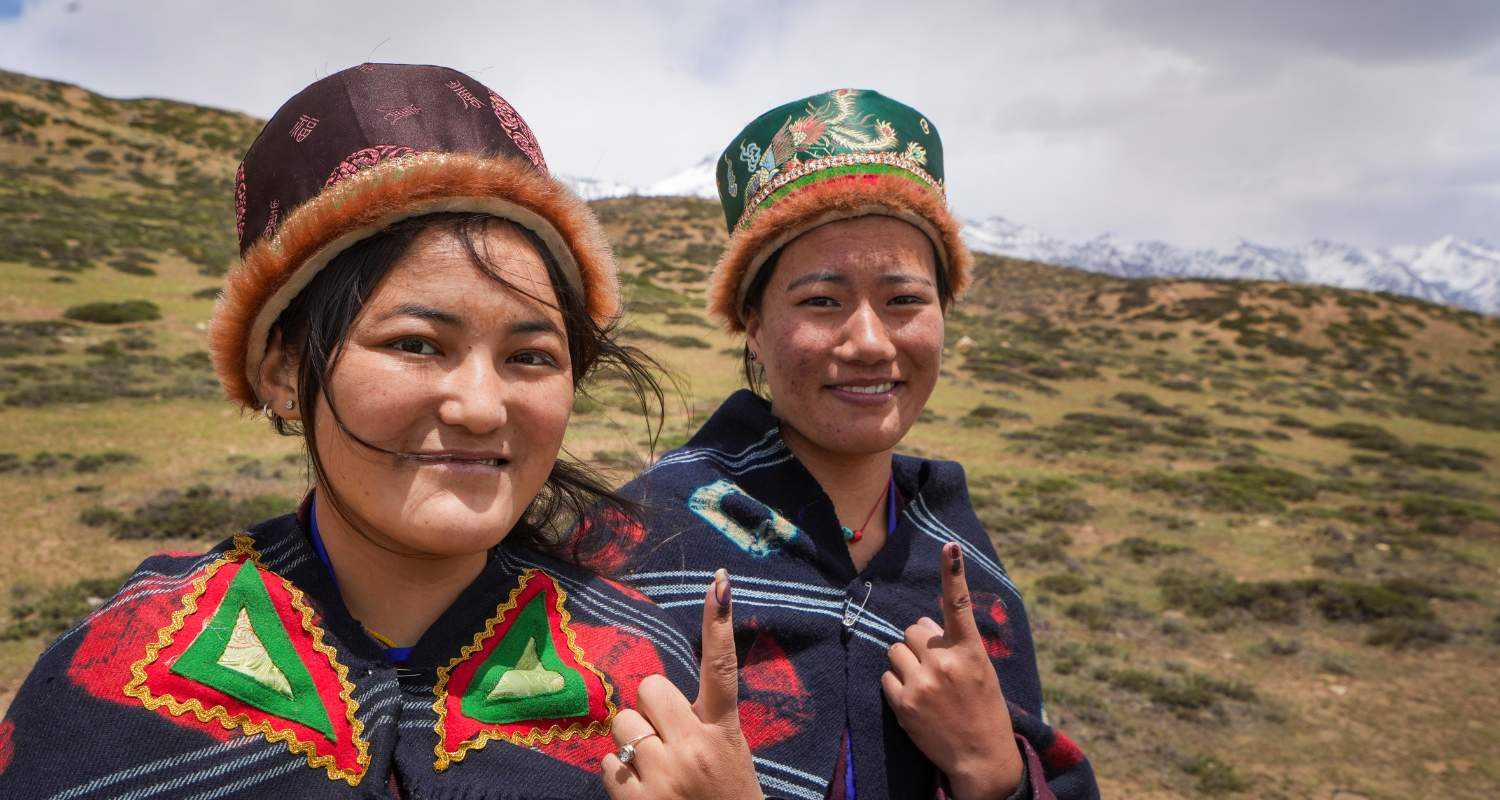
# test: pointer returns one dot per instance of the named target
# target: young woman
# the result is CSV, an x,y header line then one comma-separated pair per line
x,y
421,302
884,650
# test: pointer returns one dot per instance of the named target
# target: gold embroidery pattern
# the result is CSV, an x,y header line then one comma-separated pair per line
x,y
536,736
136,687
843,160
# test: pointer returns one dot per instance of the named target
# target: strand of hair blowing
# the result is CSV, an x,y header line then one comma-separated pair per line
x,y
314,327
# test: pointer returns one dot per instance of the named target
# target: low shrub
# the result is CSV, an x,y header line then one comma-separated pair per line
x,y
1239,487
1444,516
1361,435
1146,404
115,313
1141,550
1182,694
1406,634
1215,778
199,511
1064,583
58,609
1213,594
34,337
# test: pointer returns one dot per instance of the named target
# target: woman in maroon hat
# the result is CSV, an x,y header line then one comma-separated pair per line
x,y
420,301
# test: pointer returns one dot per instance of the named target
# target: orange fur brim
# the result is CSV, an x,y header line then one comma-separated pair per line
x,y
844,197
274,270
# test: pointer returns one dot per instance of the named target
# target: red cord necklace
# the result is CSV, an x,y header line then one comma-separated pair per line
x,y
855,535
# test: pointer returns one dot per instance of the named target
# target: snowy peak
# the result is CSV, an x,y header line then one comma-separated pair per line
x,y
695,181
597,189
1459,264
1457,272
1452,271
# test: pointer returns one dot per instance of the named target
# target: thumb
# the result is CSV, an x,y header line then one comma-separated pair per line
x,y
958,609
719,673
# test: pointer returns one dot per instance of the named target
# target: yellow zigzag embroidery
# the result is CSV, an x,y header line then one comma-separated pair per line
x,y
535,736
136,688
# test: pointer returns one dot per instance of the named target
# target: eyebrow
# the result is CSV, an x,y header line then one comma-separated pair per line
x,y
422,312
534,325
835,277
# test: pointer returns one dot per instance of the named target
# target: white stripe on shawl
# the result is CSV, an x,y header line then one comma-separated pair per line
x,y
865,617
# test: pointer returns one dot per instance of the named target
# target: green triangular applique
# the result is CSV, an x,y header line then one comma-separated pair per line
x,y
245,653
523,678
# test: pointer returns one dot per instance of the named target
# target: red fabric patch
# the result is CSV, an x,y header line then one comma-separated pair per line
x,y
161,681
459,732
1061,754
626,590
990,608
117,637
627,659
7,747
609,548
774,704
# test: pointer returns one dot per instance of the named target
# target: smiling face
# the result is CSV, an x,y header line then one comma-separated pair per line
x,y
850,332
463,384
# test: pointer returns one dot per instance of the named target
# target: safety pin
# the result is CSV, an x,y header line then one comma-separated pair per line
x,y
850,617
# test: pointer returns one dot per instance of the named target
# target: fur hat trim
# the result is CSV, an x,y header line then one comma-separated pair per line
x,y
275,269
830,200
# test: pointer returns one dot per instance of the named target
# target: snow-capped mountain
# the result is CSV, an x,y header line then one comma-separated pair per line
x,y
695,181
598,189
1450,271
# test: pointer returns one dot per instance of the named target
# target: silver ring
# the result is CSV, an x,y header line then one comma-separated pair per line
x,y
626,753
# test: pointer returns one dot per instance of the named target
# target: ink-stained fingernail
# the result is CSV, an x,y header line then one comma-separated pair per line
x,y
721,590
955,557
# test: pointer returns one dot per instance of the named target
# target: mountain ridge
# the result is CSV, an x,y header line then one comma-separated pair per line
x,y
1452,271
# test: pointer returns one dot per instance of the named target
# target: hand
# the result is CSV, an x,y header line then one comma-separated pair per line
x,y
947,697
689,751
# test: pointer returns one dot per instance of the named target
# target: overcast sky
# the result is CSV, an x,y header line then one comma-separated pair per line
x,y
1195,122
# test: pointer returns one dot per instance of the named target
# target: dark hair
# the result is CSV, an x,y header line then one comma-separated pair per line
x,y
757,290
314,326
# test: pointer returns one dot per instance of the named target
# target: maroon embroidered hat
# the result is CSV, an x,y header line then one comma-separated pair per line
x,y
369,146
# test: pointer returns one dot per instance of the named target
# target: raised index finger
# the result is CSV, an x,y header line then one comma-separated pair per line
x,y
958,609
719,675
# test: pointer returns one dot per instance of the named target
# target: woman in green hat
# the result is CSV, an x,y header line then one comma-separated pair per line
x,y
884,650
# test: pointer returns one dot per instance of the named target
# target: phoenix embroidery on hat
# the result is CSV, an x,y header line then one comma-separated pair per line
x,y
524,679
242,653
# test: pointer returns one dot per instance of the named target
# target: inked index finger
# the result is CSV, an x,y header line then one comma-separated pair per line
x,y
958,609
718,690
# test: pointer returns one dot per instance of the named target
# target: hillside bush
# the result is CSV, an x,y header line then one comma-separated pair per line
x,y
107,313
198,512
58,609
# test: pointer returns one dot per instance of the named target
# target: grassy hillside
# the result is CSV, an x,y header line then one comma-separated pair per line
x,y
1258,524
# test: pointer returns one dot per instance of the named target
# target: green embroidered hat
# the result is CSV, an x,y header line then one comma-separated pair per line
x,y
837,155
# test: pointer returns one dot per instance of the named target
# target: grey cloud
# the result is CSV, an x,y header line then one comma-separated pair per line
x,y
1153,120
1359,30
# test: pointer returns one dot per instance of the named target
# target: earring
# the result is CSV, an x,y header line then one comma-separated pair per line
x,y
753,356
291,404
